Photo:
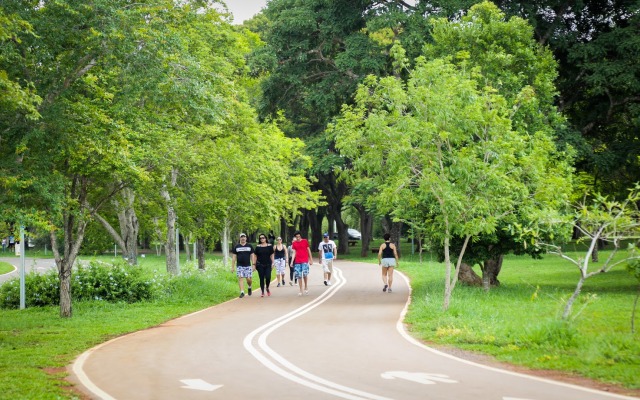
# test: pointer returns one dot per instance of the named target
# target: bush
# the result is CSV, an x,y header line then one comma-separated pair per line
x,y
113,283
97,281
40,290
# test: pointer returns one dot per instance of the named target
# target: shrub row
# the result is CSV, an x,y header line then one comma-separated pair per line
x,y
117,282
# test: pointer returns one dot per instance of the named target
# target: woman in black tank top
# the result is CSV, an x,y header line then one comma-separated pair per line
x,y
388,260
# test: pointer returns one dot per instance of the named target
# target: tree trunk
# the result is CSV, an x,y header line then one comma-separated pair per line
x,y
159,235
335,191
225,242
75,220
366,229
594,254
303,225
127,239
452,279
633,312
394,229
396,233
335,212
330,224
447,274
170,243
574,296
129,226
64,264
187,242
284,231
468,276
315,220
343,236
490,271
200,250
599,246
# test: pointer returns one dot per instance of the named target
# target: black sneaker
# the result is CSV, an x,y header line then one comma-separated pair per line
x,y
249,291
241,294
325,283
384,289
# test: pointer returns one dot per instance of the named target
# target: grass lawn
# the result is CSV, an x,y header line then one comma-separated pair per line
x,y
518,322
5,267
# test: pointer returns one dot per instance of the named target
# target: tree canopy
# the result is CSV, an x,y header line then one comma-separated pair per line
x,y
466,140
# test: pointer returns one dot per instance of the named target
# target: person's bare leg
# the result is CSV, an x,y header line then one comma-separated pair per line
x,y
300,286
384,278
390,276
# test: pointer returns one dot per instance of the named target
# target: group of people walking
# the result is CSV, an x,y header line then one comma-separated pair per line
x,y
245,259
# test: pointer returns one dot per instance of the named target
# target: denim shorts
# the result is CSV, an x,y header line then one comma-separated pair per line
x,y
388,262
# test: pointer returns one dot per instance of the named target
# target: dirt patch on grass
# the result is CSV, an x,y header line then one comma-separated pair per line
x,y
69,387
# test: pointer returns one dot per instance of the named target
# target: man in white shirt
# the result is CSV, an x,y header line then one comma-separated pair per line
x,y
327,252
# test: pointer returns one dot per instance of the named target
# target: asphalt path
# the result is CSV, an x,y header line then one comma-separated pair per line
x,y
31,264
341,341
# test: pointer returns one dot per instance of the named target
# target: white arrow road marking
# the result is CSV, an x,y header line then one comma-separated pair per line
x,y
199,384
419,377
513,398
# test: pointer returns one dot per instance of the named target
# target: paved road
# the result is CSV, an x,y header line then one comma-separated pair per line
x,y
31,264
343,341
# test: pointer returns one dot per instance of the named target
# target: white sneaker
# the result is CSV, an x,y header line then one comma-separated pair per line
x,y
306,292
328,283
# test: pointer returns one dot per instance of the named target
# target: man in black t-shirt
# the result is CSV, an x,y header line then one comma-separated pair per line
x,y
242,263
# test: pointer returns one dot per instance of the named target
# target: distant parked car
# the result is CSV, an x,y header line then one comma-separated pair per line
x,y
353,234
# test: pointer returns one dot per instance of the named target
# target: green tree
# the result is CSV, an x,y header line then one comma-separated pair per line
x,y
440,141
17,98
500,47
596,44
122,87
68,160
602,219
316,54
483,55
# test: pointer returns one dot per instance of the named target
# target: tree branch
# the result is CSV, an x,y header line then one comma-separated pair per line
x,y
85,64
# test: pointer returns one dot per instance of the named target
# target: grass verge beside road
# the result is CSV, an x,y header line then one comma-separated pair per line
x,y
5,268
